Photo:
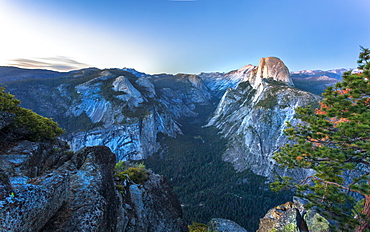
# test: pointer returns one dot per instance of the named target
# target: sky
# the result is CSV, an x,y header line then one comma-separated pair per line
x,y
182,36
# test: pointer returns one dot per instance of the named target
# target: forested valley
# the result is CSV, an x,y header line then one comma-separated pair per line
x,y
207,186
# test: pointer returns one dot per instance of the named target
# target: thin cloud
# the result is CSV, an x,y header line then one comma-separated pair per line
x,y
58,63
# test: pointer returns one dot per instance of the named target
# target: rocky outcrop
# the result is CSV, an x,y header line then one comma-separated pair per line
x,y
92,202
34,199
252,117
46,187
152,207
54,189
293,217
224,225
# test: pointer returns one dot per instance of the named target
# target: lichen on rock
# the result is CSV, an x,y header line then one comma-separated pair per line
x,y
293,217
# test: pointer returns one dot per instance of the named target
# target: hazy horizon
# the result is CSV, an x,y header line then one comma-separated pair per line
x,y
182,36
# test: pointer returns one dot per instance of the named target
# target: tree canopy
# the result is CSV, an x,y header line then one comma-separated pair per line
x,y
334,141
36,126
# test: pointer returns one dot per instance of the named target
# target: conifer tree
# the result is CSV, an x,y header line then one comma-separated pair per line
x,y
334,141
37,126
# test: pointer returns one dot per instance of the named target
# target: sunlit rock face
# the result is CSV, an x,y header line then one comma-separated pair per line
x,y
270,68
219,82
252,117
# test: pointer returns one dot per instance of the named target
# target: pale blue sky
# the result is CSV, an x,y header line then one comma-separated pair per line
x,y
183,36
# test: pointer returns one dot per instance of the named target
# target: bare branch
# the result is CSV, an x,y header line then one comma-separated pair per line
x,y
329,183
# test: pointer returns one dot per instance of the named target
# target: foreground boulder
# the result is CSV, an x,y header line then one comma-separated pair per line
x,y
56,189
151,207
293,217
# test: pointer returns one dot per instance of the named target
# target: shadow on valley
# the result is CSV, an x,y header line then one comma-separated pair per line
x,y
206,186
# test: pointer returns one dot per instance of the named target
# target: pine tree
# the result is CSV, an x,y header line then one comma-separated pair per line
x,y
334,141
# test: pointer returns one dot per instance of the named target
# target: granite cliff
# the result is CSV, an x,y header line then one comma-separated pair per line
x,y
114,107
252,116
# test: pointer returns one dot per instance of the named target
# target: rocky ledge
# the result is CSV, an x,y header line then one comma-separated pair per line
x,y
293,217
44,186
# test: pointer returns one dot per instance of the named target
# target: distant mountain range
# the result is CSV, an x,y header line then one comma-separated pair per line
x,y
315,81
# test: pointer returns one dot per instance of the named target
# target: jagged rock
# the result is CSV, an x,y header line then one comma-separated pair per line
x,y
293,217
92,203
153,206
39,184
224,225
33,204
32,159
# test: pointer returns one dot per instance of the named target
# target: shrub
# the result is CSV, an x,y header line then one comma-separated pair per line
x,y
197,227
39,127
136,173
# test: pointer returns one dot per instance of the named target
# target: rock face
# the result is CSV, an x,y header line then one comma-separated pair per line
x,y
144,206
114,107
270,68
224,225
219,82
252,117
92,203
46,187
293,217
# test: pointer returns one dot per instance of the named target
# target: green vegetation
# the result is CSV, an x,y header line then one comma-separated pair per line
x,y
334,140
269,102
207,186
197,227
37,127
136,173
